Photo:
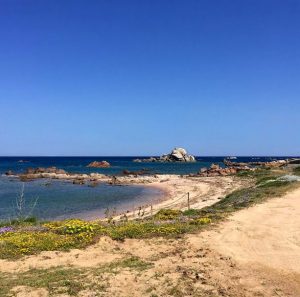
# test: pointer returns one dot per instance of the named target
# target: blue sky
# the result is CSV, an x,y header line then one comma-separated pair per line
x,y
138,77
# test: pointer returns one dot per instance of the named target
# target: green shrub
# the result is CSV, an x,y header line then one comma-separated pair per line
x,y
191,212
145,229
32,220
20,222
167,214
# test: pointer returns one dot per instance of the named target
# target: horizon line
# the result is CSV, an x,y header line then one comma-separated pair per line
x,y
132,156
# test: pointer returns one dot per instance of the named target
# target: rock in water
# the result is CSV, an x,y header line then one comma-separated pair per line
x,y
214,166
176,155
97,164
181,155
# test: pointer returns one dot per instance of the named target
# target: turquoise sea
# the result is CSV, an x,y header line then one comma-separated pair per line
x,y
60,199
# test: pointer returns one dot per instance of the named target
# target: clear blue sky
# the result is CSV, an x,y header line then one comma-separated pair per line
x,y
111,77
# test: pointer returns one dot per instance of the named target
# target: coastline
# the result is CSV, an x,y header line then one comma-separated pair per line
x,y
198,258
99,213
203,191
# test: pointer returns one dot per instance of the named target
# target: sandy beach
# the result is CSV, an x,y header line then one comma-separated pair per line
x,y
203,191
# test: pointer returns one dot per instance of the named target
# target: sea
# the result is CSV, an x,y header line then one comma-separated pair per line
x,y
54,199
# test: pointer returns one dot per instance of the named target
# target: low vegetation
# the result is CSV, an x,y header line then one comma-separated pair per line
x,y
69,281
30,236
297,170
64,235
267,184
167,214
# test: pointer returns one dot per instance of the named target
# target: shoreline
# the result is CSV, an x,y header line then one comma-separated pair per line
x,y
99,214
203,191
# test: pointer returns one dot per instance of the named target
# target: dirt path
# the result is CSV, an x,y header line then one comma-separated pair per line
x,y
266,238
268,234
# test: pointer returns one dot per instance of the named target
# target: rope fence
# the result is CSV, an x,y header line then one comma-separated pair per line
x,y
150,210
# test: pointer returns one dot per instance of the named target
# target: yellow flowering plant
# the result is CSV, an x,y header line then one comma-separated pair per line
x,y
201,221
73,226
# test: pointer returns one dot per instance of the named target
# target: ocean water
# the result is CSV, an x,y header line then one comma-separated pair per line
x,y
52,199
118,164
60,199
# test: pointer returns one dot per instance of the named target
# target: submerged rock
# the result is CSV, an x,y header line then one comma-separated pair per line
x,y
78,182
138,172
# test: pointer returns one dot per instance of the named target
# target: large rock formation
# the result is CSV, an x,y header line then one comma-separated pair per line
x,y
56,173
41,172
52,169
176,155
180,154
216,170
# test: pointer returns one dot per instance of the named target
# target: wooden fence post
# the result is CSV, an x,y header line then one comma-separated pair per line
x,y
188,200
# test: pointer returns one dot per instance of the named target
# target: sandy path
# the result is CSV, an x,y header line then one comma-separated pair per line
x,y
268,234
265,240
